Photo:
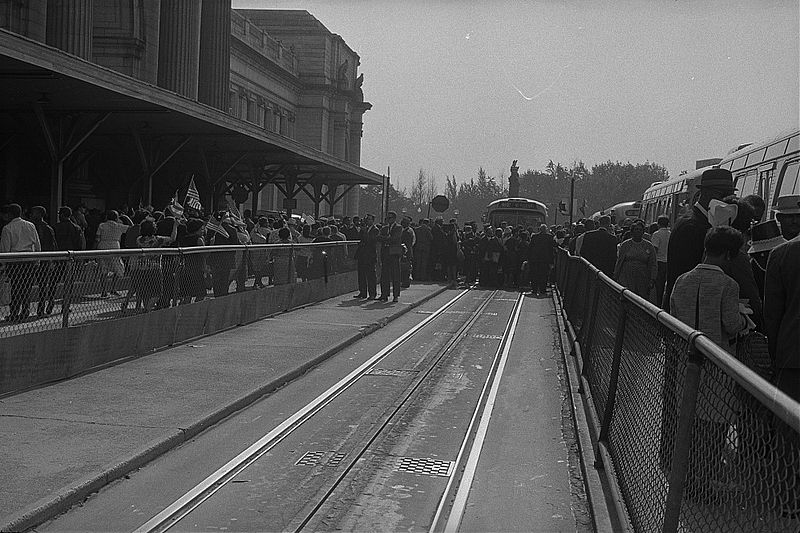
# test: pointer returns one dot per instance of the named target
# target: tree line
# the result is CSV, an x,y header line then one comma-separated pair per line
x,y
596,188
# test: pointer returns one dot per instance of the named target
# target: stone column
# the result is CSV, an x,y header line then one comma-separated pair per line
x,y
25,18
69,26
179,46
215,54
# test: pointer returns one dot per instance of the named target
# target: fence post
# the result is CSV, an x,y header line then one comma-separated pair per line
x,y
586,304
683,434
571,285
605,423
586,347
70,270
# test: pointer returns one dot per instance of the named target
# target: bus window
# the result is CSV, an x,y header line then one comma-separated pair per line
x,y
790,184
739,163
727,166
776,150
756,157
746,184
794,145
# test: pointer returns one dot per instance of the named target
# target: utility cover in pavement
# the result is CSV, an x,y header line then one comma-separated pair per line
x,y
321,457
424,466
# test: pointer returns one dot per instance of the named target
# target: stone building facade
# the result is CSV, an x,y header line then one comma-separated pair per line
x,y
281,70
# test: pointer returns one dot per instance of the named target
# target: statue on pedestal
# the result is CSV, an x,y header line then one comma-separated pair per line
x,y
513,181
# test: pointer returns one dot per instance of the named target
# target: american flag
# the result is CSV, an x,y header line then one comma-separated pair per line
x,y
211,225
193,197
233,211
175,207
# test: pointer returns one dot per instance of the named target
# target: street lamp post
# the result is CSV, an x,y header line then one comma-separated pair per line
x,y
571,195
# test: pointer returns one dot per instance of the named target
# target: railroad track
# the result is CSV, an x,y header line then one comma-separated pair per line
x,y
452,499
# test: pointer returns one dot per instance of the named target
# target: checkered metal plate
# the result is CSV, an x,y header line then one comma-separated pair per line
x,y
424,466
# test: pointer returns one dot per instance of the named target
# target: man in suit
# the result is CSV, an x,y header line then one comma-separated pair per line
x,y
422,250
391,239
540,259
367,257
685,247
600,246
782,315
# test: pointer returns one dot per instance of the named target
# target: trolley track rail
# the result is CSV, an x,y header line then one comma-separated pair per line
x,y
195,497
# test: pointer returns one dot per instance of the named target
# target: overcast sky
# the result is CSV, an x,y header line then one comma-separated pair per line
x,y
456,85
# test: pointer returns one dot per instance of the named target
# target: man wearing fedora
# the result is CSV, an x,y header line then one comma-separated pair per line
x,y
787,211
782,314
685,248
765,237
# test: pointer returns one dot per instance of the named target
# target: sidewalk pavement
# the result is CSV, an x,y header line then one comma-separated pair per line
x,y
62,442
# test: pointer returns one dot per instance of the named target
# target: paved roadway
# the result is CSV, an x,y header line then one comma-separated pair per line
x,y
528,477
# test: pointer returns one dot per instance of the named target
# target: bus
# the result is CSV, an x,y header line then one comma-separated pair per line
x,y
621,212
671,197
516,212
768,169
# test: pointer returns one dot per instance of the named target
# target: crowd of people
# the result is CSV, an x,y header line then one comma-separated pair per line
x,y
683,268
721,268
507,256
154,280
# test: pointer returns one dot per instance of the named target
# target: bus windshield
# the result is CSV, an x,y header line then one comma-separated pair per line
x,y
516,218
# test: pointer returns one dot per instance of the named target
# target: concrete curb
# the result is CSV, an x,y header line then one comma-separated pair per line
x,y
602,518
65,497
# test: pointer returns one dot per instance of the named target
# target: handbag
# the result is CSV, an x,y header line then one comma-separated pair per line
x,y
752,349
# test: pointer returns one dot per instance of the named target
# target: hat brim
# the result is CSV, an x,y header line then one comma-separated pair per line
x,y
789,211
763,246
721,188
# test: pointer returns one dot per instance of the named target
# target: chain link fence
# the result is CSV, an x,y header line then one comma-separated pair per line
x,y
48,290
695,439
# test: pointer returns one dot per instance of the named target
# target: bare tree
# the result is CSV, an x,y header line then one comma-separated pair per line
x,y
451,188
419,188
431,189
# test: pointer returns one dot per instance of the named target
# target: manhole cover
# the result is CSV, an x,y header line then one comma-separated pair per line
x,y
424,466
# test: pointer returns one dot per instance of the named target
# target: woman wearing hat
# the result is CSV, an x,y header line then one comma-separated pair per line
x,y
636,266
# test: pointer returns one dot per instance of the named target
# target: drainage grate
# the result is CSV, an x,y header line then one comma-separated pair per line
x,y
424,466
487,336
395,373
321,458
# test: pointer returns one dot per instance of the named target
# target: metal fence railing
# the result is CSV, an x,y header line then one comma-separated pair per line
x,y
47,290
694,439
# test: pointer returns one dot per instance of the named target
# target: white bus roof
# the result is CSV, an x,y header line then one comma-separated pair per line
x,y
742,149
516,203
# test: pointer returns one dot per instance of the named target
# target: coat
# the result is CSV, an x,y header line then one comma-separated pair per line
x,y
707,299
540,249
367,251
600,249
685,248
782,304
